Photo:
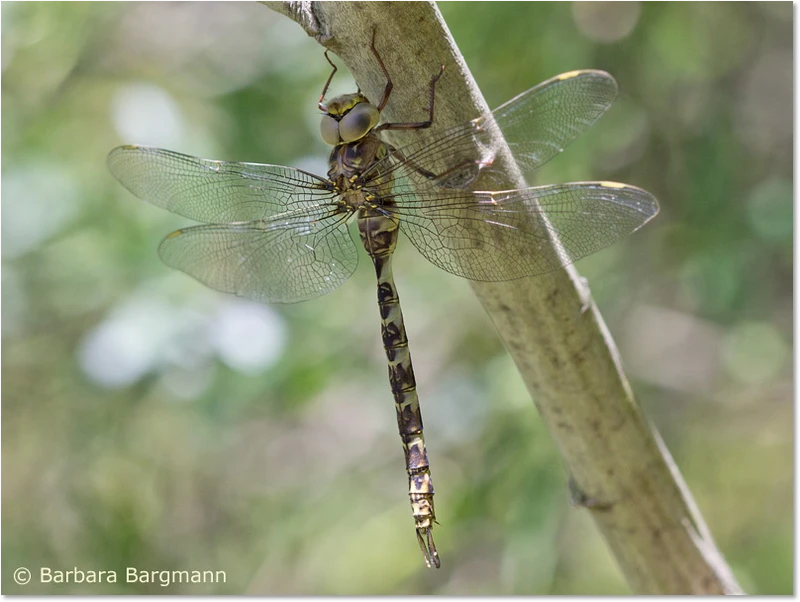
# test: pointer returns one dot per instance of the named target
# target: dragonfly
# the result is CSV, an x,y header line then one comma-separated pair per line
x,y
277,234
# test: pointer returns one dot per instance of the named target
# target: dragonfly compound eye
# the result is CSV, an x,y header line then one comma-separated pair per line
x,y
329,128
358,122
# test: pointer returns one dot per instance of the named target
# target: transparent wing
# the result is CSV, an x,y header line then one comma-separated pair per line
x,y
540,123
497,236
537,125
217,191
283,261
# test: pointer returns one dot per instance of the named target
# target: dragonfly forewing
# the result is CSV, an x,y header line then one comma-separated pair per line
x,y
218,192
536,125
540,123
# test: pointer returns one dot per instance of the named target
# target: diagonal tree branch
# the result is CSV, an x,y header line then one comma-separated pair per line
x,y
550,325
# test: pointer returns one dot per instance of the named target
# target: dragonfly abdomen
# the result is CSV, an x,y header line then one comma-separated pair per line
x,y
378,231
380,236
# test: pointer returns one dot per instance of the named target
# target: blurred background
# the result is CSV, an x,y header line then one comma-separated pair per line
x,y
150,422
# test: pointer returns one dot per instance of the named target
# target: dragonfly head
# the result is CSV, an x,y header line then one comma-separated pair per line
x,y
348,118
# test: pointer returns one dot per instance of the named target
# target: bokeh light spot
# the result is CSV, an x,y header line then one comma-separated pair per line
x,y
764,104
770,210
754,353
38,199
605,22
143,113
249,337
123,348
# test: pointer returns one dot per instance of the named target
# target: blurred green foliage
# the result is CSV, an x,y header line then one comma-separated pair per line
x,y
148,422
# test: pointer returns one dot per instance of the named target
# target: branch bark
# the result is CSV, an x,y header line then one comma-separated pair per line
x,y
549,324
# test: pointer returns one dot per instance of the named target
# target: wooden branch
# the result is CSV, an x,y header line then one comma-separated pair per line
x,y
550,325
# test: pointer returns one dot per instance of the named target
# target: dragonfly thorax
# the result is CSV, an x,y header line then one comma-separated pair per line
x,y
348,118
352,165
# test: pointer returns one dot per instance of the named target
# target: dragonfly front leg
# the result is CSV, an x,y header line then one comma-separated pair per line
x,y
459,175
415,125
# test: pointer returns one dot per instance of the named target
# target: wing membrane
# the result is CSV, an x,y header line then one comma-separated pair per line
x,y
282,236
540,123
270,262
537,125
217,191
497,236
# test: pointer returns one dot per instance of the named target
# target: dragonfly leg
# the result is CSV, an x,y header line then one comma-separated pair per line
x,y
327,83
416,125
387,91
458,176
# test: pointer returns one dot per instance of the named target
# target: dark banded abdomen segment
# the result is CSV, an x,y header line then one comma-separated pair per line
x,y
401,379
409,416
